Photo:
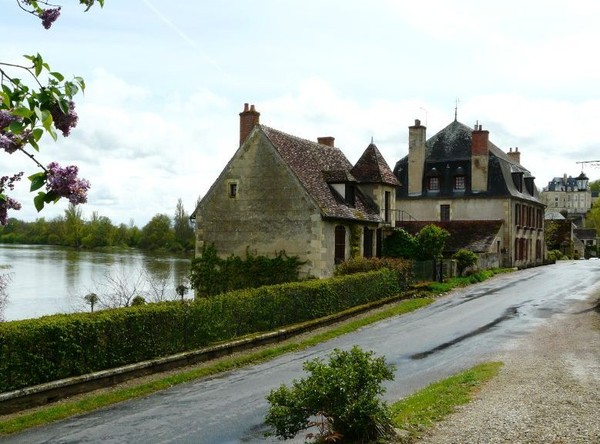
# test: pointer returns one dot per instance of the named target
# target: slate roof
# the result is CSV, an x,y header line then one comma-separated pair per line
x,y
315,165
448,153
585,233
475,235
372,168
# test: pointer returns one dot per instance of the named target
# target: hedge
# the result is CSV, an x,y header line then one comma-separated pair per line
x,y
54,347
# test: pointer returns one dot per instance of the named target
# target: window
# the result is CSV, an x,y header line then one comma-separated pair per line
x,y
459,183
444,212
368,243
340,244
433,184
387,199
233,189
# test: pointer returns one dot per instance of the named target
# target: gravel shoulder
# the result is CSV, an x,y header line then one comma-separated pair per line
x,y
547,392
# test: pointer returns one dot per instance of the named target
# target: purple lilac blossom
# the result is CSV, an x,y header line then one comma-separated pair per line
x,y
64,122
64,183
6,118
49,16
7,203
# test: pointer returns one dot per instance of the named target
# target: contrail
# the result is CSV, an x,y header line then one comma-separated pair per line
x,y
182,34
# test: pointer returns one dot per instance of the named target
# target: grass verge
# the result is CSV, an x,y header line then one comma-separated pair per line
x,y
421,410
47,414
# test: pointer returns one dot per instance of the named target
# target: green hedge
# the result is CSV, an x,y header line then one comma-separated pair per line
x,y
55,347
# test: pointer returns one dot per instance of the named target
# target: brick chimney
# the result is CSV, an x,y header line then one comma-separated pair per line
x,y
327,140
479,159
515,155
248,118
416,158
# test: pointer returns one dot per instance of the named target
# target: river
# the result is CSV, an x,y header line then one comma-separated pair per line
x,y
47,280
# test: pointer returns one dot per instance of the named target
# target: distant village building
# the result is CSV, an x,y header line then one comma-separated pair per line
x,y
569,195
461,181
281,193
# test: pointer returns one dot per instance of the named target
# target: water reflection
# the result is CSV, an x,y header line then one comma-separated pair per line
x,y
47,280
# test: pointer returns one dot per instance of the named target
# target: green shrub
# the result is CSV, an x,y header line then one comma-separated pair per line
x,y
35,351
402,267
464,259
343,394
212,275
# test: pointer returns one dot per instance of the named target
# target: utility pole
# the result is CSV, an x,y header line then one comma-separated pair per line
x,y
592,163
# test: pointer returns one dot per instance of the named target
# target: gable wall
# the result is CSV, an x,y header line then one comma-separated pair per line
x,y
270,213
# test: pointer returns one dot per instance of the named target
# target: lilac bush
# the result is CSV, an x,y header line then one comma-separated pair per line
x,y
27,113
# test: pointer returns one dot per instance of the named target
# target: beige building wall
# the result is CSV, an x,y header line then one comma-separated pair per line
x,y
490,209
249,209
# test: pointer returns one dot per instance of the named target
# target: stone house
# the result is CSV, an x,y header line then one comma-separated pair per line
x,y
460,179
282,193
570,195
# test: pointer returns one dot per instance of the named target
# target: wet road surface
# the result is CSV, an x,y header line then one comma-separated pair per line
x,y
453,334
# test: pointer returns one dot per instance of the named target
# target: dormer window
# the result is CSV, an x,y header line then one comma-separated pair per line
x,y
460,183
433,184
350,197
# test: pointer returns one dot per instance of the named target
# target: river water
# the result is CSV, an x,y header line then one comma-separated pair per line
x,y
47,280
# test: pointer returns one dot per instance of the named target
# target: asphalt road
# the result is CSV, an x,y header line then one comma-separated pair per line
x,y
456,332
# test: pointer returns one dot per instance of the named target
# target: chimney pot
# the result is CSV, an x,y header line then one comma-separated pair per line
x,y
417,122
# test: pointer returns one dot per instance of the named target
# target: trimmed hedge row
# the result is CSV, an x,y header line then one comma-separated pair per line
x,y
55,347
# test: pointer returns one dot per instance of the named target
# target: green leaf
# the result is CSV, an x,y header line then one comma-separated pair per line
x,y
37,180
22,112
80,82
15,127
58,76
34,144
38,201
71,89
37,134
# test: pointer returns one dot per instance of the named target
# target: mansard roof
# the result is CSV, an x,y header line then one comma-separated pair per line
x,y
449,153
315,165
372,168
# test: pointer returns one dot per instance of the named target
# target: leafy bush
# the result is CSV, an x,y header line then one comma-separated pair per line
x,y
35,351
212,275
400,244
464,259
344,395
427,244
402,268
555,255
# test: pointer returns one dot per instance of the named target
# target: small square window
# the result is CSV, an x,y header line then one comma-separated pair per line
x,y
459,183
233,189
433,184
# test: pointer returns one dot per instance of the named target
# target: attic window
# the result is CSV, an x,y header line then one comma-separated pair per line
x,y
433,184
459,183
233,190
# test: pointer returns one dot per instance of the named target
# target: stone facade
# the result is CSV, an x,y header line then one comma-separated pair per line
x,y
570,195
281,193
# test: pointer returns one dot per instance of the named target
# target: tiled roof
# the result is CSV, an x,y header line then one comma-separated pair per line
x,y
314,164
475,235
372,168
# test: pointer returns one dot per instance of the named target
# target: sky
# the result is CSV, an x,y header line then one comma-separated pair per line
x,y
166,82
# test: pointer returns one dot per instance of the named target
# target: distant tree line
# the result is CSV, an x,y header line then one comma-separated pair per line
x,y
162,233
